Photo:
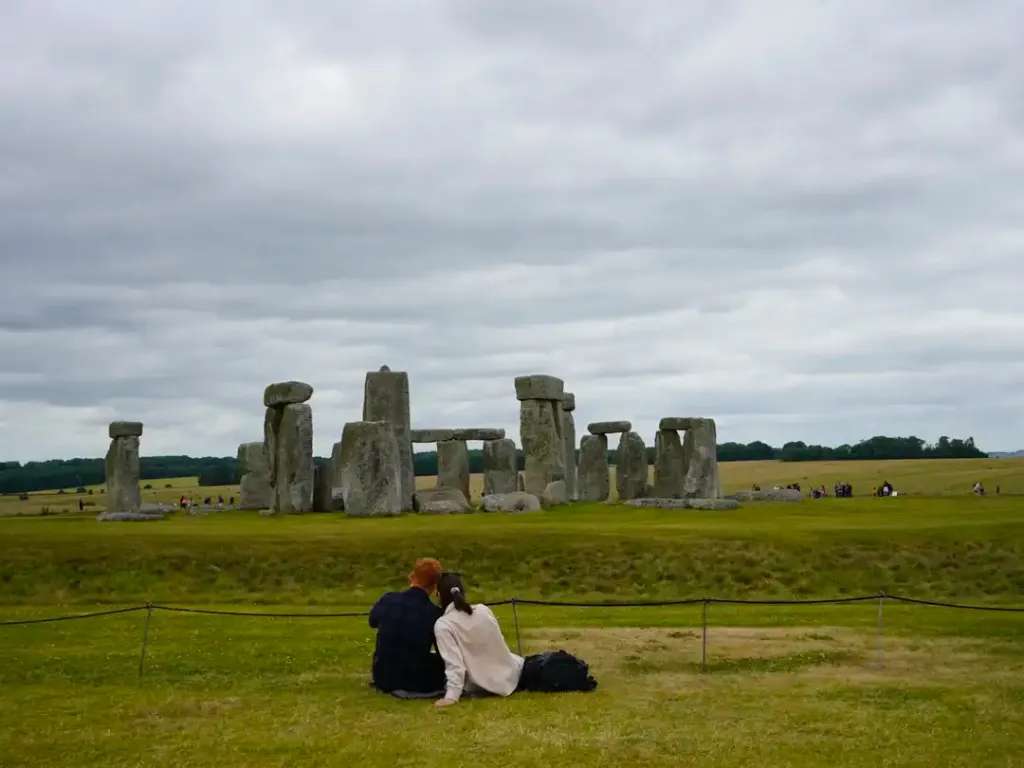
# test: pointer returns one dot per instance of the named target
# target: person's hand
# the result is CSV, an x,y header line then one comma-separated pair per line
x,y
442,703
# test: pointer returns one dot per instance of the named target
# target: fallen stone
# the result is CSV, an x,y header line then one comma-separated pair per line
x,y
593,482
286,393
386,398
125,429
511,502
770,494
431,435
440,501
631,467
129,517
478,433
453,466
708,504
609,427
500,472
370,470
554,494
539,387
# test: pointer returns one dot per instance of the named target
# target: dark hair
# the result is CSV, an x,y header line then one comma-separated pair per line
x,y
451,590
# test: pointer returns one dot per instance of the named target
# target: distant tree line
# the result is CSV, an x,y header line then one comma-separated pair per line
x,y
71,473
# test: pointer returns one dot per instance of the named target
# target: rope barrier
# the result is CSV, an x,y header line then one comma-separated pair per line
x,y
515,601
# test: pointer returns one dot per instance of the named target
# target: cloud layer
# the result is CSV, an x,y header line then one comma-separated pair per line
x,y
804,220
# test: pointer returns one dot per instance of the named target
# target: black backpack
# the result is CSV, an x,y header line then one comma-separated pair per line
x,y
555,671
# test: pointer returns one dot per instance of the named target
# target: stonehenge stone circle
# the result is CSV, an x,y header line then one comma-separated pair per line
x,y
453,466
500,470
594,484
540,427
386,398
609,427
689,470
631,467
255,491
370,470
517,501
286,393
122,473
569,443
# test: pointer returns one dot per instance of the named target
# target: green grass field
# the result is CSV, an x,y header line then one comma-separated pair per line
x,y
801,685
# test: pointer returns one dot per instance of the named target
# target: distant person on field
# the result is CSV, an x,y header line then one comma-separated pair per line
x,y
403,661
979,489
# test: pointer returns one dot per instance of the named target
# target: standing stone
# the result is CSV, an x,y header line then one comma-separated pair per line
x,y
700,457
499,466
255,491
386,398
124,499
327,491
631,467
540,427
669,469
453,466
370,469
569,441
293,466
594,484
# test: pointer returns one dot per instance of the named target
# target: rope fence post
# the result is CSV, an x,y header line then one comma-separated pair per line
x,y
145,639
515,620
704,637
878,631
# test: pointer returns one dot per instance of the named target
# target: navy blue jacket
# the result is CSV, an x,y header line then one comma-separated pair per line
x,y
402,659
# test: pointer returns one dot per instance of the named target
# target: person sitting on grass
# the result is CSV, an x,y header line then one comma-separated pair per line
x,y
478,661
403,661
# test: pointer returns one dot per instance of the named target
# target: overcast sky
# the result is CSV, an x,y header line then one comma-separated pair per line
x,y
805,220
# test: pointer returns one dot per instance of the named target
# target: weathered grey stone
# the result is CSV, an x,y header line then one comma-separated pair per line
x,y
569,447
255,491
325,497
609,427
292,479
125,429
708,504
554,494
681,423
130,517
540,427
520,482
370,469
386,398
431,435
453,466
769,494
478,433
122,470
568,401
500,472
539,387
594,484
700,457
631,467
286,393
510,502
440,501
669,472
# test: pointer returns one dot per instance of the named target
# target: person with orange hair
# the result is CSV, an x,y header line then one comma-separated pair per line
x,y
404,661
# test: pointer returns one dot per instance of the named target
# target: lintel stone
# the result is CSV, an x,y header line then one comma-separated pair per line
x,y
286,393
125,429
431,435
609,427
539,387
682,423
478,433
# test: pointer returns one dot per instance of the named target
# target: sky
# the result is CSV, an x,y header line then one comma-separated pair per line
x,y
805,220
